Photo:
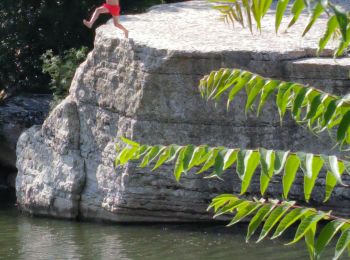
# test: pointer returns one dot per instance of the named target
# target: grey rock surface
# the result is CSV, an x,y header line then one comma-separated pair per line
x,y
145,88
17,114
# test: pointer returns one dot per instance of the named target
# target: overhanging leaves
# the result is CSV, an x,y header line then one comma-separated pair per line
x,y
283,215
338,19
309,106
216,161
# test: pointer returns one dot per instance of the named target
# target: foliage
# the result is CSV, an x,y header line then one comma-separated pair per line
x,y
29,28
246,11
61,70
277,215
309,106
318,110
280,216
219,159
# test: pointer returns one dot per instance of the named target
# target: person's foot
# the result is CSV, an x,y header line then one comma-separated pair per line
x,y
126,34
87,24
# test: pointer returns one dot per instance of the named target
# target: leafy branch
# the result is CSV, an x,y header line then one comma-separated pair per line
x,y
246,11
219,160
280,217
318,110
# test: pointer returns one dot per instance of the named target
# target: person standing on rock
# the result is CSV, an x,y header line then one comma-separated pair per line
x,y
112,7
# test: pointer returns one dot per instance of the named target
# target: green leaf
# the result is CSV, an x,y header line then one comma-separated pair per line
x,y
187,157
258,218
198,153
244,78
267,160
281,8
292,217
306,224
342,244
210,161
292,166
251,162
244,211
267,90
329,113
129,142
230,158
273,219
299,99
315,14
257,13
231,80
163,157
231,206
283,98
280,160
254,92
313,166
240,163
297,8
335,170
125,157
219,163
246,5
326,235
174,152
336,167
315,103
332,25
150,156
342,19
179,166
310,240
343,127
221,200
265,5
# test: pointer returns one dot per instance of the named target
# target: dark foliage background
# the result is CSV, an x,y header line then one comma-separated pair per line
x,y
30,27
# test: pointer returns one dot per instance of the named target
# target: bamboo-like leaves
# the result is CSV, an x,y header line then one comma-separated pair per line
x,y
317,110
283,215
338,19
216,161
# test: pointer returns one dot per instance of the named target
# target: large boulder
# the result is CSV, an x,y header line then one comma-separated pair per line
x,y
17,114
145,88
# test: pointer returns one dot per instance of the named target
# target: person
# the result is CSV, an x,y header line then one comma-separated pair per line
x,y
112,7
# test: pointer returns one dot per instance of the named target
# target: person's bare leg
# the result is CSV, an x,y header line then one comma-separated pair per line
x,y
120,26
95,15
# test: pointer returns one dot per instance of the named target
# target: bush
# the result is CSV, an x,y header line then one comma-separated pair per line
x,y
61,70
29,28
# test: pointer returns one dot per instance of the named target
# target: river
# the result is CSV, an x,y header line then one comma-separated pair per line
x,y
24,237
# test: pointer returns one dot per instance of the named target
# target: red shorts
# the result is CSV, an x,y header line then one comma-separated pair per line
x,y
114,10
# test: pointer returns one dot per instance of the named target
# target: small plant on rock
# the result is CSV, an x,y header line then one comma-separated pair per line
x,y
61,70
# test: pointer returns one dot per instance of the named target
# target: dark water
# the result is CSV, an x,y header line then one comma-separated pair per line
x,y
23,237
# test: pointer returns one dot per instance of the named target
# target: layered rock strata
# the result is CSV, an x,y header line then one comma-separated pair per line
x,y
145,88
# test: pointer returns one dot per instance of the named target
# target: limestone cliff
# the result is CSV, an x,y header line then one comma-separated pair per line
x,y
145,88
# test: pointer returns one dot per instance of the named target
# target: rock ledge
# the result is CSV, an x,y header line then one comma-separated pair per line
x,y
145,88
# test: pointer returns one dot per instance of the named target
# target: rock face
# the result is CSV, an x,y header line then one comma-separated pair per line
x,y
145,89
16,115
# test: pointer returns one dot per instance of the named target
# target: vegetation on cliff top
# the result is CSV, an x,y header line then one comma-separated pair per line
x,y
29,28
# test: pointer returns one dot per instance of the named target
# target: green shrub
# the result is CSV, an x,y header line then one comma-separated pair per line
x,y
61,70
29,28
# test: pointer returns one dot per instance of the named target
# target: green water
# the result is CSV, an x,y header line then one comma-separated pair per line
x,y
23,237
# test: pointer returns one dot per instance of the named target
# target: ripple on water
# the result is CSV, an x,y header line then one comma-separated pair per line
x,y
32,238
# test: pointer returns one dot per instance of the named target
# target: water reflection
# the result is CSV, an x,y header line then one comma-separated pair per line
x,y
31,238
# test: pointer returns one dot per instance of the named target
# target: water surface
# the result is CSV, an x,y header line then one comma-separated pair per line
x,y
23,237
